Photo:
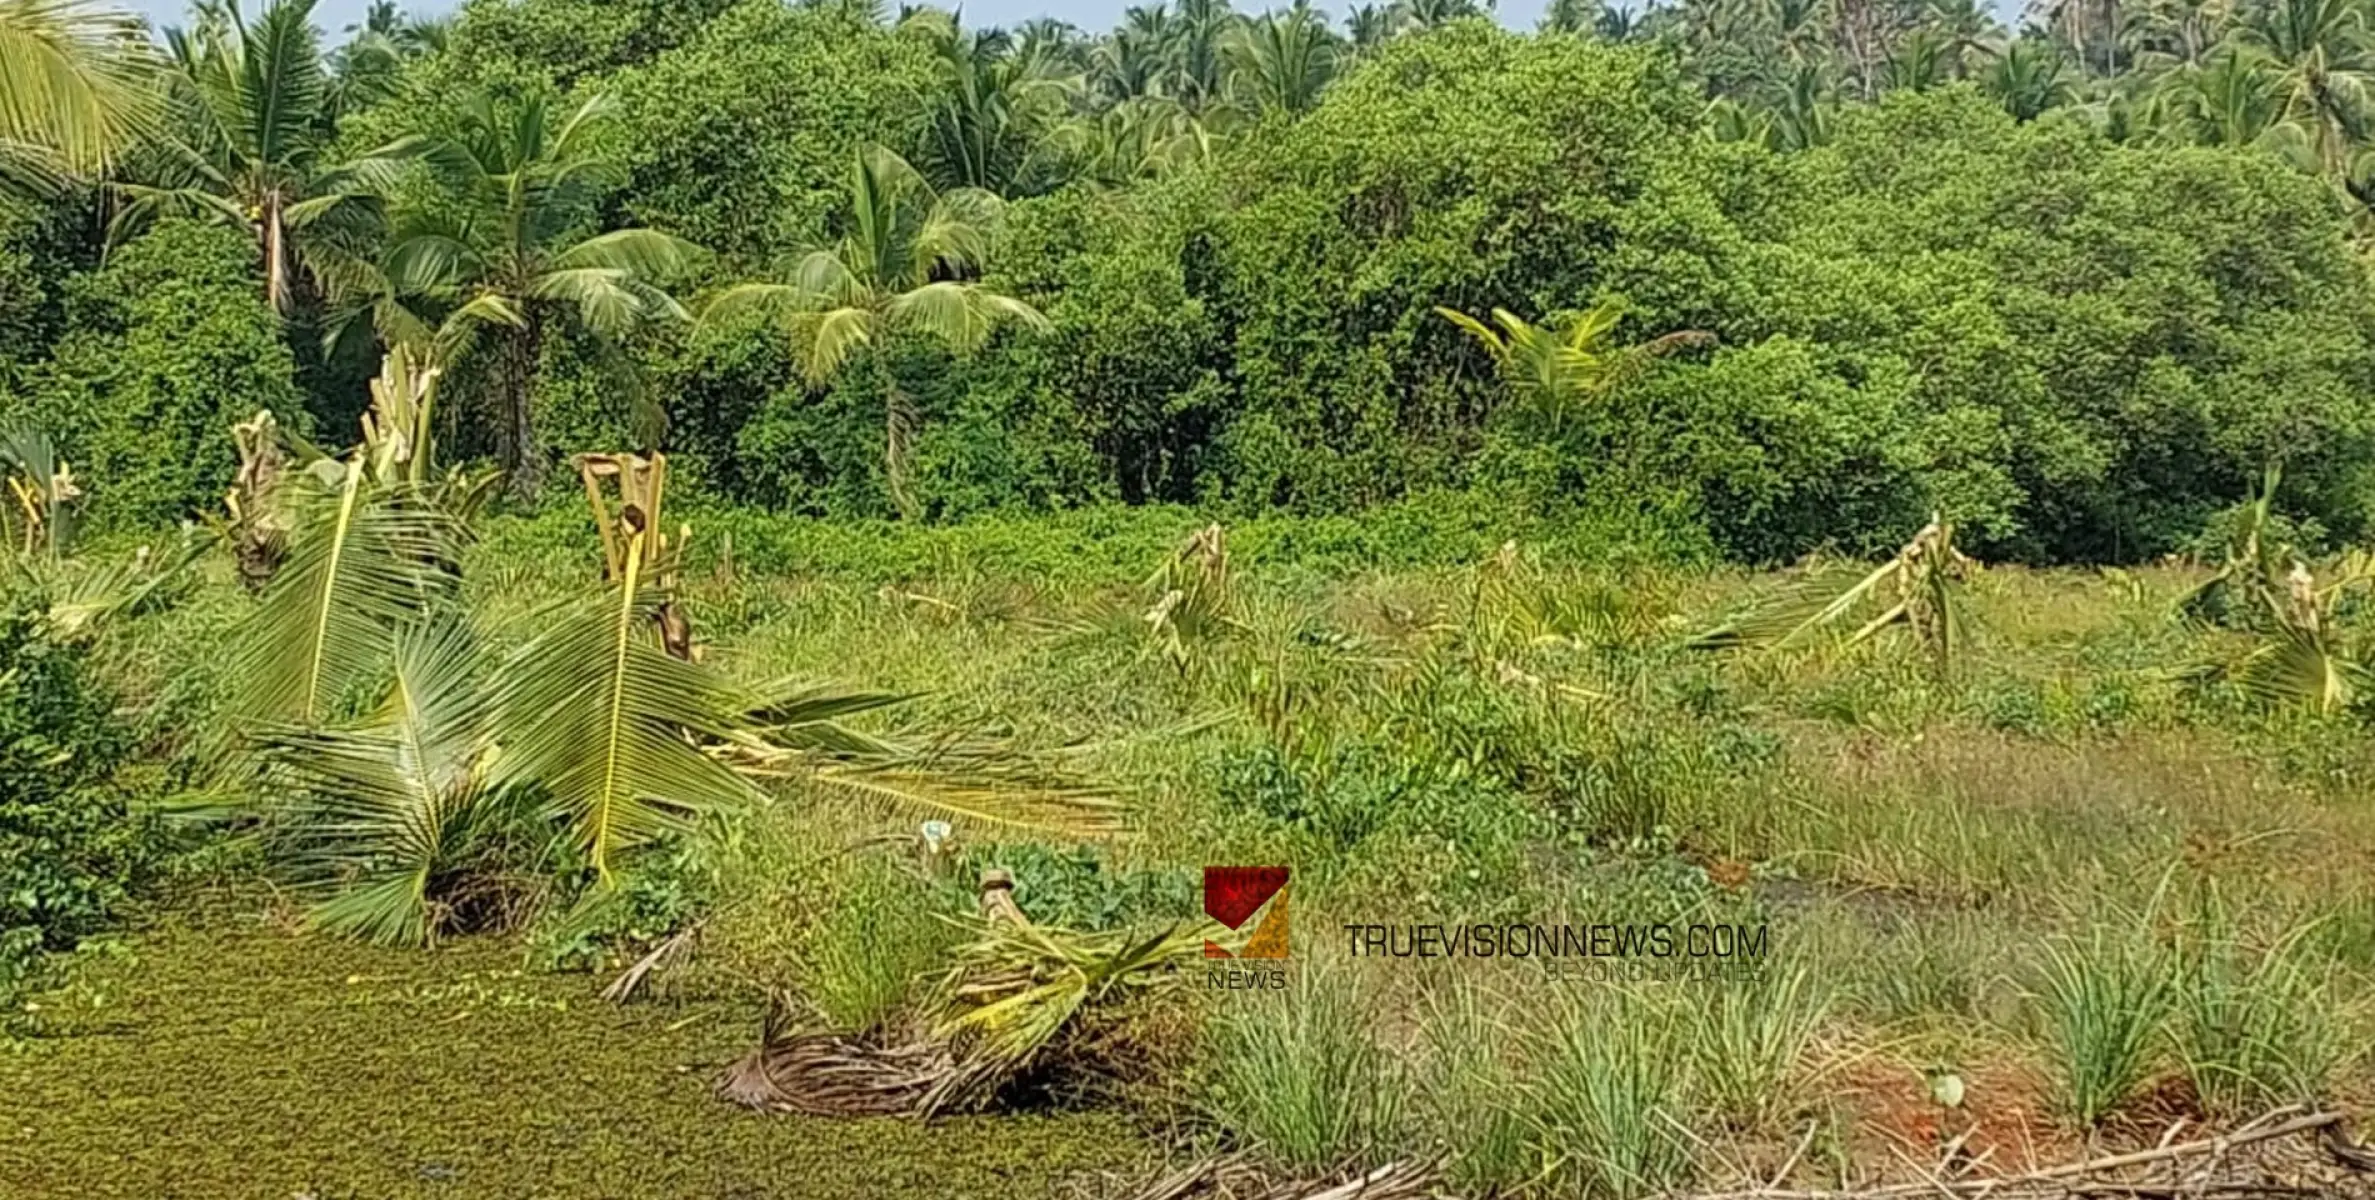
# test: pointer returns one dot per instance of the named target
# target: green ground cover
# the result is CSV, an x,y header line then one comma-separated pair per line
x,y
231,1056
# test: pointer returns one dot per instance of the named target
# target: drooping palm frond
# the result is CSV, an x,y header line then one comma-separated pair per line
x,y
363,560
2302,666
1916,589
85,593
610,726
798,735
77,85
388,800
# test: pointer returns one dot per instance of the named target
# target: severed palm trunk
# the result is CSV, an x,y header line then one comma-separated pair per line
x,y
273,230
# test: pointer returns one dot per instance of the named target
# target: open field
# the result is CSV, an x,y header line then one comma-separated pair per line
x,y
2097,894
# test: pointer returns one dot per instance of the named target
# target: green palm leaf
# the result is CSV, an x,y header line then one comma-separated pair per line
x,y
390,800
363,561
599,716
75,82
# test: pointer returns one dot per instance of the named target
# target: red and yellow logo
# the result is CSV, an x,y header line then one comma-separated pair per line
x,y
1232,895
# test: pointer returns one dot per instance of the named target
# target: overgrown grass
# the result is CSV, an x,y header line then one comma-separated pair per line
x,y
1302,1076
1438,731
1615,1096
2104,1001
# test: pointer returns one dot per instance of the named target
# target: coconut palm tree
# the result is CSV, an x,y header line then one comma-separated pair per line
x,y
2028,78
368,68
1197,41
1571,16
2235,97
506,255
1430,14
905,265
1135,138
252,150
1550,369
1282,60
996,107
2325,57
77,87
1128,63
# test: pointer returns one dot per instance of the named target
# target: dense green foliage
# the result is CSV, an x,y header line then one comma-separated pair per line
x,y
70,847
165,347
2027,282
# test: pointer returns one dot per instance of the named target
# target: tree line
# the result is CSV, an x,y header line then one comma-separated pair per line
x,y
2076,285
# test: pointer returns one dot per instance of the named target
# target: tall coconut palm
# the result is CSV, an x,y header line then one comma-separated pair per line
x,y
2029,78
1127,63
2235,97
1134,138
506,255
77,86
905,265
255,131
1432,14
368,69
1281,60
996,108
1197,40
1571,16
2325,56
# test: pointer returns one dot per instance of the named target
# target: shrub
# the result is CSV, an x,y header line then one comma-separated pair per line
x,y
71,846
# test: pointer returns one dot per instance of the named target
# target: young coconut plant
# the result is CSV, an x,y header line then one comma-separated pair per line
x,y
2298,649
1918,590
401,752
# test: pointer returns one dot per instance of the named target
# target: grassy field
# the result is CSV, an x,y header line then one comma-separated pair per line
x,y
2094,891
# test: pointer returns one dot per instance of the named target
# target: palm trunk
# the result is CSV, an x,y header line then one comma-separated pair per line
x,y
523,458
276,254
898,431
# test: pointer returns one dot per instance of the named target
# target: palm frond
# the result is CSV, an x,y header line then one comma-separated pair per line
x,y
76,82
1016,987
387,798
363,561
961,315
645,253
609,725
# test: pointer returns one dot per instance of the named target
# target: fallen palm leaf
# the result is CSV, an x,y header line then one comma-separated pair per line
x,y
1917,590
1016,987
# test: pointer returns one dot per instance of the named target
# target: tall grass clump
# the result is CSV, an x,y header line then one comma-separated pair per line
x,y
2255,1029
1473,1103
2104,1003
858,961
1302,1076
1614,1097
1750,1041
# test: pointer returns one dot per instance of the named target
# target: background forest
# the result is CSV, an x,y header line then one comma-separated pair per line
x,y
2075,286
